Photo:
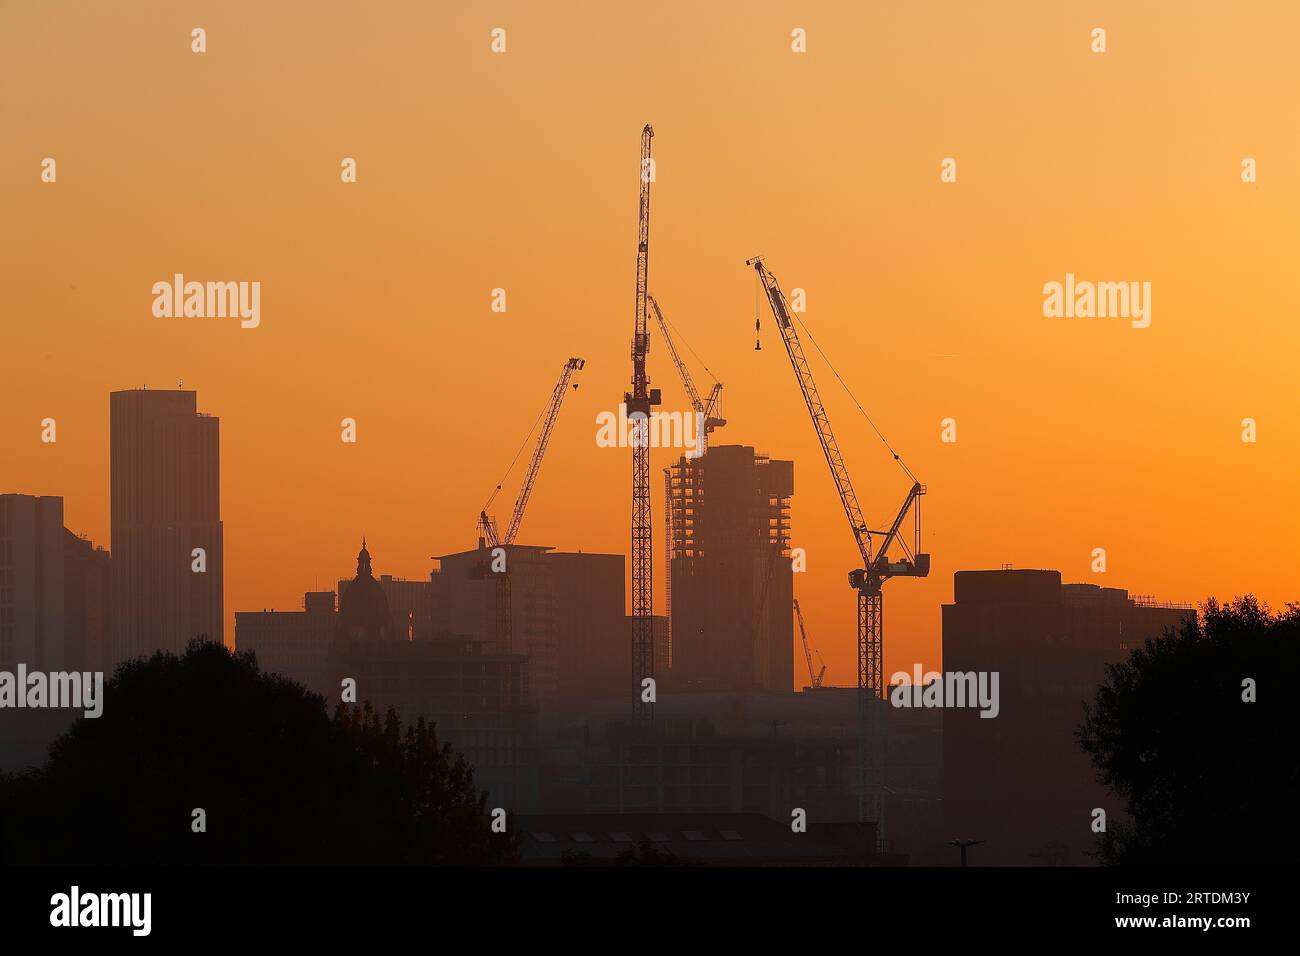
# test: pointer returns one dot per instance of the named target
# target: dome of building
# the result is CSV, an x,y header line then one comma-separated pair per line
x,y
363,606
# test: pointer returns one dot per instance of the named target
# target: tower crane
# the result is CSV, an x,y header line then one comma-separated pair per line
x,y
708,416
815,678
639,402
707,413
487,526
876,568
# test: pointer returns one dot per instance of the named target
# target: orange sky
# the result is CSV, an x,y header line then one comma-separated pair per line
x,y
519,171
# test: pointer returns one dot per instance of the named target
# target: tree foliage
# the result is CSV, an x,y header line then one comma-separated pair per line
x,y
1206,777
278,779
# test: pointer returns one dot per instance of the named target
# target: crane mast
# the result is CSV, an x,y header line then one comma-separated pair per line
x,y
639,402
875,570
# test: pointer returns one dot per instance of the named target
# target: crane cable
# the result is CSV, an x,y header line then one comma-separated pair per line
x,y
680,338
513,461
897,457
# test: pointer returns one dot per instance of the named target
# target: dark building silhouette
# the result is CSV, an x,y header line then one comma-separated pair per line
x,y
741,751
731,584
363,606
476,598
592,632
476,695
295,644
1019,781
566,611
54,614
410,605
31,582
165,503
87,604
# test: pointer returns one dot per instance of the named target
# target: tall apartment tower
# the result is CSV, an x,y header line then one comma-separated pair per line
x,y
731,584
31,582
166,496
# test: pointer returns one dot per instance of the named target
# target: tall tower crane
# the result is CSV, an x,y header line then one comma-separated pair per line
x,y
639,402
817,677
707,413
876,568
487,526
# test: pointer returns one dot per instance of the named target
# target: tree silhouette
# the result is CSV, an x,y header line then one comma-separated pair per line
x,y
278,780
1206,777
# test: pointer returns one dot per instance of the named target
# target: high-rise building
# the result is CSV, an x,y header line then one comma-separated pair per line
x,y
31,582
1019,781
166,507
593,632
87,604
730,578
477,598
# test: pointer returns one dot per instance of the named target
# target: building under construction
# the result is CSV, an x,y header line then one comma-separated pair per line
x,y
730,581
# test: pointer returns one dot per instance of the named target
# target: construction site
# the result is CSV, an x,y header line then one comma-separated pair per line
x,y
571,692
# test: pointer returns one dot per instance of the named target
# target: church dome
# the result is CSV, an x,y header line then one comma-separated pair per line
x,y
363,606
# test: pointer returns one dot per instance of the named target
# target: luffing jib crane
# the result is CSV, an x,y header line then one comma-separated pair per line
x,y
876,568
708,414
487,526
639,403
816,677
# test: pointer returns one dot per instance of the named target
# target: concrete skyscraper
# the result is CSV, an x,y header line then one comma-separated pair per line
x,y
31,582
166,495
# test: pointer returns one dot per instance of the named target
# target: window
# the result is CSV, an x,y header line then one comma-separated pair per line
x,y
542,837
731,835
656,836
695,836
581,837
618,836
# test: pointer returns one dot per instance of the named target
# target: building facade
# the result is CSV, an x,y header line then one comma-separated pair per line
x,y
31,582
166,518
87,604
731,584
566,613
294,644
1019,781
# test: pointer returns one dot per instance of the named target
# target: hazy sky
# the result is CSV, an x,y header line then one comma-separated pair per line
x,y
519,170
